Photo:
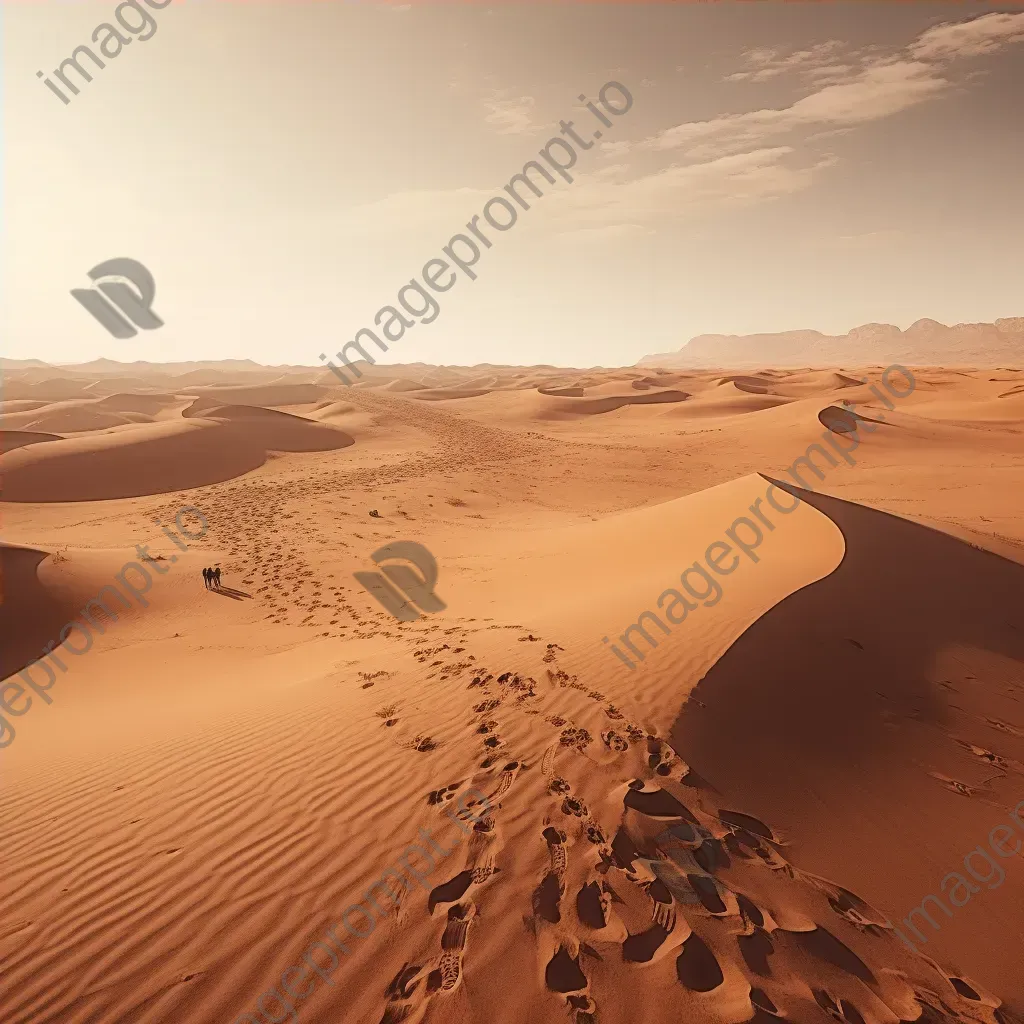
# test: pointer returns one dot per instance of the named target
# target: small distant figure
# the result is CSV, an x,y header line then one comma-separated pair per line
x,y
374,513
216,577
206,578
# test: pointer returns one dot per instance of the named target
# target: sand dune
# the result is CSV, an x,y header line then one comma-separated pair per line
x,y
730,825
78,415
264,395
73,418
331,410
586,406
752,385
576,392
217,444
21,405
11,439
729,400
937,626
444,394
150,405
272,429
113,385
49,389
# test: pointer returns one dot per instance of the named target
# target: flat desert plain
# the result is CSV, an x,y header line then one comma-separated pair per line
x,y
515,808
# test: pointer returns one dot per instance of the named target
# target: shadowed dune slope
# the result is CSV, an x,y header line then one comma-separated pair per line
x,y
39,612
76,418
160,457
150,459
119,385
150,405
840,421
869,697
729,400
575,392
260,395
568,408
79,415
11,439
753,385
14,405
332,410
442,394
275,430
51,389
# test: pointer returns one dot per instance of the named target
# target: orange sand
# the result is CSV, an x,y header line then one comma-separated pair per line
x,y
726,833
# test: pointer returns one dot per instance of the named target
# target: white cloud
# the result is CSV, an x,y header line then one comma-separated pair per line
x,y
852,88
682,191
510,115
868,240
604,203
876,91
768,64
732,160
985,34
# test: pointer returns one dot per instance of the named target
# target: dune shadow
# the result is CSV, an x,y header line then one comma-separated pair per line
x,y
829,675
842,714
230,592
30,616
207,447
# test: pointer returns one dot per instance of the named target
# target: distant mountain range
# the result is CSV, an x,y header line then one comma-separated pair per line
x,y
924,343
20,364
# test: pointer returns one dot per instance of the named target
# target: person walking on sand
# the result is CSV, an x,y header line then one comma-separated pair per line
x,y
216,577
206,578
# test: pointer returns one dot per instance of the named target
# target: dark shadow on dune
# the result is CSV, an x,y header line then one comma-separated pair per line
x,y
450,891
443,394
839,699
235,441
611,403
11,439
805,673
823,945
842,421
30,616
229,592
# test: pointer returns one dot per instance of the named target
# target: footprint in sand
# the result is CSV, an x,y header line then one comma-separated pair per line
x,y
407,997
575,807
548,895
479,866
564,976
443,795
509,774
697,968
668,930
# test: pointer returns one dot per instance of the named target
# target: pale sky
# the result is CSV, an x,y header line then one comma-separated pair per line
x,y
283,169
